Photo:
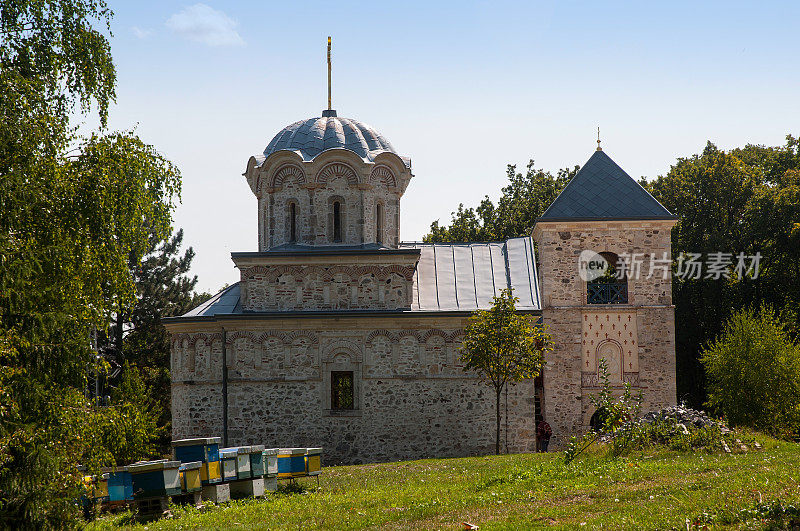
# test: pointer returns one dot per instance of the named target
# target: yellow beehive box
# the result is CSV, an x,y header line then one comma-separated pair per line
x,y
313,461
190,477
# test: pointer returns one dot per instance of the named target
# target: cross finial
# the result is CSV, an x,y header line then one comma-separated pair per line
x,y
598,140
329,111
329,73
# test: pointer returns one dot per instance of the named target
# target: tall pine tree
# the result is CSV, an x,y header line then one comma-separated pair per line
x,y
163,289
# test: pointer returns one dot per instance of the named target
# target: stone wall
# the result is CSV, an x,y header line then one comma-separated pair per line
x,y
313,187
413,398
560,243
299,287
584,333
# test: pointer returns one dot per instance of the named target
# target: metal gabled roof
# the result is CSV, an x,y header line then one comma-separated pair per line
x,y
601,190
466,276
224,302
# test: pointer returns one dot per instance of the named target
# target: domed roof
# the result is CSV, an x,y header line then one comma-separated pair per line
x,y
311,137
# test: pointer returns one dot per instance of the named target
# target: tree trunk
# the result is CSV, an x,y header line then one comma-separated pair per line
x,y
499,391
118,337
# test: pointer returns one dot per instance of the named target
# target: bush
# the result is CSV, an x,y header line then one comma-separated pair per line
x,y
754,373
668,433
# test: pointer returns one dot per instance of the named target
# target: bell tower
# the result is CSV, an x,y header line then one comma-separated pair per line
x,y
605,267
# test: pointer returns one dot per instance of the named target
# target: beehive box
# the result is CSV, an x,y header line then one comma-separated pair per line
x,y
98,486
120,485
228,458
257,468
270,462
243,462
190,477
203,449
155,478
313,461
291,462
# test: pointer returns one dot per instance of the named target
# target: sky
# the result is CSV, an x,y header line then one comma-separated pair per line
x,y
463,88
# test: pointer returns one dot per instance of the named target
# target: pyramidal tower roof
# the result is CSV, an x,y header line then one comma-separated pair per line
x,y
601,190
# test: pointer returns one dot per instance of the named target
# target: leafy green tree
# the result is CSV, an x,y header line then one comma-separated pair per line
x,y
744,200
131,423
73,213
524,198
753,372
503,346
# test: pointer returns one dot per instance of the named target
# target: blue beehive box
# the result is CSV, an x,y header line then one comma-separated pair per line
x,y
291,462
203,449
155,478
228,458
120,484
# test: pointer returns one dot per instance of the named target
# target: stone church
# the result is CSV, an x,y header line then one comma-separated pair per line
x,y
341,336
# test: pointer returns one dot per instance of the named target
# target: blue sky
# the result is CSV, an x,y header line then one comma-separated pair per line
x,y
463,88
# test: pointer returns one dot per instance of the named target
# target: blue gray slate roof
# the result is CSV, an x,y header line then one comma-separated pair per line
x,y
309,138
602,190
449,277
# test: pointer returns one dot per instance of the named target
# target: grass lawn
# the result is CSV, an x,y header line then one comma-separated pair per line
x,y
646,490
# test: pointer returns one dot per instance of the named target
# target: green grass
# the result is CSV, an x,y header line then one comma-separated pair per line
x,y
646,490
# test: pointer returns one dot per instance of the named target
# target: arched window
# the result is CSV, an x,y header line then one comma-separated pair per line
x,y
612,286
292,222
379,223
337,221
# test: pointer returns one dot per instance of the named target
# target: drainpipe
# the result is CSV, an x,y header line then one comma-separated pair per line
x,y
224,388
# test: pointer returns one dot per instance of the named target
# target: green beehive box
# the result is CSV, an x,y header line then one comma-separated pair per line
x,y
155,478
270,462
257,468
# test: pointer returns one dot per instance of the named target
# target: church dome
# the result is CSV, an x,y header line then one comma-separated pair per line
x,y
311,137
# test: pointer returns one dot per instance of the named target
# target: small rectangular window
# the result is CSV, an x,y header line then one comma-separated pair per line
x,y
337,222
342,390
379,223
293,222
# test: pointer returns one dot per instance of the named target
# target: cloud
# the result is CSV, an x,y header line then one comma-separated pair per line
x,y
201,23
141,33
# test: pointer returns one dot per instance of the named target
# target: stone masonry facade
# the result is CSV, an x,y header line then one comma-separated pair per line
x,y
412,397
583,333
331,305
313,187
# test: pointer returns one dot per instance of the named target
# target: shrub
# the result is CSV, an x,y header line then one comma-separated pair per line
x,y
754,373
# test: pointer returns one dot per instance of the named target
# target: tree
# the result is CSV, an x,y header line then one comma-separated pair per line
x,y
753,372
73,213
163,289
744,200
523,199
503,346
